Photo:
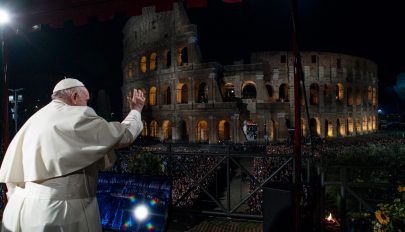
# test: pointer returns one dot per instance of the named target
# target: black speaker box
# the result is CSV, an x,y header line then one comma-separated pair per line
x,y
278,208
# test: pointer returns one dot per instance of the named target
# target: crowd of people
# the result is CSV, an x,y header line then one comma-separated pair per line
x,y
189,163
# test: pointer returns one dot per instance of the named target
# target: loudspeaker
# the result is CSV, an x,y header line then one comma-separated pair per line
x,y
277,208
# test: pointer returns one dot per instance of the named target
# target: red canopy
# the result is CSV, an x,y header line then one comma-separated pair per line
x,y
57,12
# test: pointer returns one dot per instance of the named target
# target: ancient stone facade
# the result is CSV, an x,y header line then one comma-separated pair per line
x,y
189,100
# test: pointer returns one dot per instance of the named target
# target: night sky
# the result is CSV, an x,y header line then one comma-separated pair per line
x,y
227,32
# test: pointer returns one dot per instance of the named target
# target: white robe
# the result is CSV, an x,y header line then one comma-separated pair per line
x,y
51,165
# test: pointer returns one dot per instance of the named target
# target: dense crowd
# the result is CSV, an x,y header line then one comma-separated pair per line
x,y
278,153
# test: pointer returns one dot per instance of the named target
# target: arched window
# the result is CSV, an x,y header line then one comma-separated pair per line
x,y
328,128
349,96
358,96
370,94
314,127
181,94
154,129
327,94
152,96
168,59
229,92
340,93
224,131
202,96
340,127
153,61
350,127
142,64
249,91
202,131
168,96
358,126
370,124
374,96
182,129
283,93
314,94
271,130
145,128
167,130
270,91
364,123
182,56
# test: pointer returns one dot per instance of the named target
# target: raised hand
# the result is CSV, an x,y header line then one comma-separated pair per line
x,y
136,100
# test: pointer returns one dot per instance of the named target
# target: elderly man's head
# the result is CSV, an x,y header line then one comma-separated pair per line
x,y
72,92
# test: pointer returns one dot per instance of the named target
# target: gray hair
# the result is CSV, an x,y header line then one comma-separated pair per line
x,y
64,94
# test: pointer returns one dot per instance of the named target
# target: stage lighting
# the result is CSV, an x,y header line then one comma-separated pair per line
x,y
141,212
4,17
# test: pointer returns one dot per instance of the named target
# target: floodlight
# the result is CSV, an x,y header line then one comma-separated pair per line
x,y
4,17
141,212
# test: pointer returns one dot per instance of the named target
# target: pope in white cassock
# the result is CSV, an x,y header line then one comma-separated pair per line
x,y
51,165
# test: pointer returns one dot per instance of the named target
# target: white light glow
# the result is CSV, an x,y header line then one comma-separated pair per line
x,y
4,17
141,212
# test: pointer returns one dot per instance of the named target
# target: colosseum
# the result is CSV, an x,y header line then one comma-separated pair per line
x,y
189,100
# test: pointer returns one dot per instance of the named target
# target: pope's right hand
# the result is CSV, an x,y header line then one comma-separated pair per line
x,y
136,101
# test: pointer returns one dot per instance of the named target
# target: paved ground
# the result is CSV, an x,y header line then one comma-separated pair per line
x,y
192,223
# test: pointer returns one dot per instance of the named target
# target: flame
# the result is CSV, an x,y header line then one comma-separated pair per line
x,y
329,218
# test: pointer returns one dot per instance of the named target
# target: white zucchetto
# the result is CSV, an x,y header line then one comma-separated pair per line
x,y
67,83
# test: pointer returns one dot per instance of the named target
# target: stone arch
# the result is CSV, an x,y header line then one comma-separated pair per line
x,y
358,126
314,94
314,127
142,64
182,56
328,128
167,130
327,94
270,91
249,90
153,61
144,132
370,124
271,130
154,129
358,96
202,135
340,93
229,91
350,126
364,127
369,94
181,93
283,93
202,93
340,125
152,96
374,96
182,130
224,131
168,96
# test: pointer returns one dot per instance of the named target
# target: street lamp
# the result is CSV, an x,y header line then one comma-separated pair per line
x,y
15,99
4,19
